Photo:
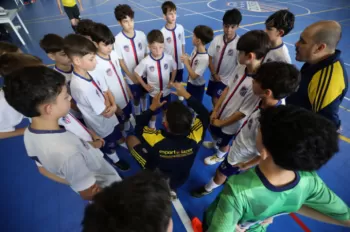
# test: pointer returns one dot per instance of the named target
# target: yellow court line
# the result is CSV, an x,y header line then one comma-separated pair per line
x,y
345,139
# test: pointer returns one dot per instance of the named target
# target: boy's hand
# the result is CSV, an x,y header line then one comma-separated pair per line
x,y
156,104
213,116
217,122
180,90
149,88
81,8
61,11
241,166
119,111
170,84
110,111
185,59
267,221
216,77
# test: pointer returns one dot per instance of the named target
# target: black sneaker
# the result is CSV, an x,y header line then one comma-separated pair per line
x,y
200,192
122,165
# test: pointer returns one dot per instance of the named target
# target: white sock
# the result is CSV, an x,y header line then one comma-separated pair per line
x,y
137,110
143,104
152,124
181,98
114,157
123,145
126,126
132,120
211,185
163,119
220,154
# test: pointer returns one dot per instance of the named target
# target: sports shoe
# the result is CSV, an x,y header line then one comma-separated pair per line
x,y
122,165
173,195
214,159
209,144
200,192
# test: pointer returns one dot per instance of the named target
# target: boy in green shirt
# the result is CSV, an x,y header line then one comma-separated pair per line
x,y
285,180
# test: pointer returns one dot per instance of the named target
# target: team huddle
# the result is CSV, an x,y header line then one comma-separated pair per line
x,y
105,93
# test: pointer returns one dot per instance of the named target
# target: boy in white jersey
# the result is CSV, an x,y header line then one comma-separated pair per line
x,y
198,62
108,70
157,67
273,82
237,100
223,55
279,24
174,35
93,97
131,47
41,94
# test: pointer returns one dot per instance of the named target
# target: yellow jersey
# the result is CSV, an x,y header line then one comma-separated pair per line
x,y
69,3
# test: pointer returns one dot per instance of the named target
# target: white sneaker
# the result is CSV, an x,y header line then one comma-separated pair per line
x,y
209,144
214,159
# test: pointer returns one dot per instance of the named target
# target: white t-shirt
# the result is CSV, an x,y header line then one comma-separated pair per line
x,y
240,97
90,100
131,50
73,125
280,53
199,63
158,72
9,117
173,41
224,56
65,155
243,147
109,71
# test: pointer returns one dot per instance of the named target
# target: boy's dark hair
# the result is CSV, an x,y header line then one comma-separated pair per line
x,y
281,78
11,62
52,43
85,27
281,20
78,45
298,139
122,11
204,33
138,203
232,17
28,88
6,47
179,118
155,36
168,6
255,41
102,33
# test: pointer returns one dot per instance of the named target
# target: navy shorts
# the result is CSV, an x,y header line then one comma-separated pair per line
x,y
179,75
136,90
219,88
227,169
144,91
72,12
165,106
111,141
197,91
221,138
211,88
127,111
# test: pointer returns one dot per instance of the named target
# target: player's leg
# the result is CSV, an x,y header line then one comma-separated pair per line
x,y
165,107
136,92
139,151
222,143
144,97
211,90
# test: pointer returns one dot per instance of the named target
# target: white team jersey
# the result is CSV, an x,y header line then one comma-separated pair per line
x,y
174,39
224,57
280,53
240,97
131,50
9,117
158,72
109,71
199,63
243,147
65,155
88,94
73,125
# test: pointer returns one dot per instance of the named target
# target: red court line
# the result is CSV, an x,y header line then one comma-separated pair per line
x,y
299,222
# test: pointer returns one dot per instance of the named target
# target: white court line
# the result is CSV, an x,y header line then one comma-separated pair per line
x,y
141,21
186,221
213,11
178,4
346,98
347,64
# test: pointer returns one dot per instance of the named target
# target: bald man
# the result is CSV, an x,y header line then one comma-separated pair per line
x,y
324,80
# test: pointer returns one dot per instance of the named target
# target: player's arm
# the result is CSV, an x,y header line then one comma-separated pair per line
x,y
251,163
127,72
221,99
140,70
190,71
183,49
140,80
10,134
59,6
51,176
81,5
173,73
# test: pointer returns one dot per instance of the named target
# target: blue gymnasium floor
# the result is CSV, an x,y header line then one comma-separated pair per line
x,y
33,203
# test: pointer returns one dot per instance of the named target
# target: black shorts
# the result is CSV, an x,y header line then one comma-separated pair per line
x,y
144,155
72,12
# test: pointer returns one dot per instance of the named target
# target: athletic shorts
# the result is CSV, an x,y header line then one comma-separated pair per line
x,y
211,88
72,12
165,106
227,169
219,88
136,90
111,141
221,138
144,91
197,91
144,156
127,111
179,75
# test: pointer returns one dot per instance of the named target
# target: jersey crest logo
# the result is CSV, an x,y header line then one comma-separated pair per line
x,y
195,62
230,52
109,72
140,46
86,145
166,66
151,68
126,48
66,119
236,78
243,91
250,123
218,48
168,39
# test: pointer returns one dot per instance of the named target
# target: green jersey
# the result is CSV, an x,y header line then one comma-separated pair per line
x,y
249,198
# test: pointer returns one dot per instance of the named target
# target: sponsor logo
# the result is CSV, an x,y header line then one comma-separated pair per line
x,y
195,62
166,66
230,52
218,48
66,120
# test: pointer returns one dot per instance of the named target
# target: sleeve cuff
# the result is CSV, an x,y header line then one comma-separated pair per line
x,y
84,184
